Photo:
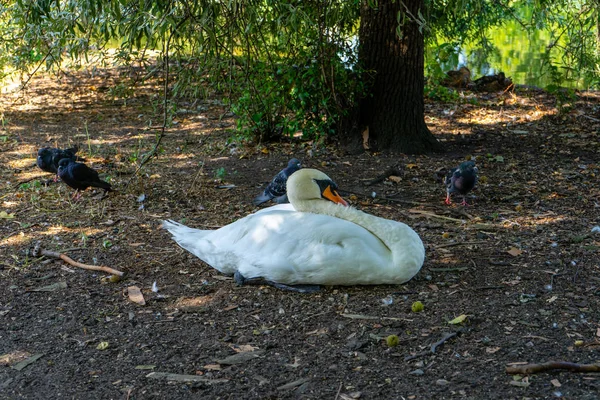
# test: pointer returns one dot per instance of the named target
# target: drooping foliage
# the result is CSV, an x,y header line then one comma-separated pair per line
x,y
284,66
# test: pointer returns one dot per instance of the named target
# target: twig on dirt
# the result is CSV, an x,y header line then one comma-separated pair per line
x,y
592,118
38,251
184,378
464,213
447,336
449,269
405,293
388,172
409,202
382,198
430,214
441,246
337,395
551,366
362,316
488,288
3,264
498,262
537,337
576,273
311,316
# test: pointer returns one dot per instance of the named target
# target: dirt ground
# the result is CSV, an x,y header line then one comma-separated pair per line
x,y
521,262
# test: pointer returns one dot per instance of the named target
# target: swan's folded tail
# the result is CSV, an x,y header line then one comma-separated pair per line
x,y
185,236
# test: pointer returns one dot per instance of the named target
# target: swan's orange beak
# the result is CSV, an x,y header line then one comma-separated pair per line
x,y
332,195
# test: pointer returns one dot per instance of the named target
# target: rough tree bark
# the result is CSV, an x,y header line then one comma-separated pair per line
x,y
395,111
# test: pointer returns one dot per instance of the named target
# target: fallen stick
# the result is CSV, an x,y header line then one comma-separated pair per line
x,y
552,365
382,198
441,246
432,215
434,346
388,172
38,251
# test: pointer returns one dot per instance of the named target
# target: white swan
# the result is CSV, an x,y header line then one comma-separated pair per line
x,y
315,240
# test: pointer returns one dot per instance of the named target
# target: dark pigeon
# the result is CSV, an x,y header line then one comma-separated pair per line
x,y
79,176
48,157
276,190
461,180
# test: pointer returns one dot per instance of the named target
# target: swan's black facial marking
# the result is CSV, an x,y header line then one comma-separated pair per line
x,y
326,183
329,191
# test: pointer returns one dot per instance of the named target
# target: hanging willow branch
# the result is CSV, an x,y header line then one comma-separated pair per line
x,y
163,128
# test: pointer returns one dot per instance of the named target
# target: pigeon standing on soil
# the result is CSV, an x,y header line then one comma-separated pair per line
x,y
48,157
276,189
460,180
79,176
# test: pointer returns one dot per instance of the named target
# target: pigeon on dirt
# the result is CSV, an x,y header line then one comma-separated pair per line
x,y
460,180
276,189
79,176
49,157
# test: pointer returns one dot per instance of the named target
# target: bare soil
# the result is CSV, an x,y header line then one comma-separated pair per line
x,y
521,262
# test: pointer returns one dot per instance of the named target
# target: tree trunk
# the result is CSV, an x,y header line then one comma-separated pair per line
x,y
394,113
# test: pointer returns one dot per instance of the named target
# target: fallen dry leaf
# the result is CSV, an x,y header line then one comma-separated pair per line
x,y
239,358
514,251
321,331
184,378
243,348
135,295
555,383
14,357
4,214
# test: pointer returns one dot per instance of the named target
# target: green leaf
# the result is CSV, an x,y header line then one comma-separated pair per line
x,y
458,320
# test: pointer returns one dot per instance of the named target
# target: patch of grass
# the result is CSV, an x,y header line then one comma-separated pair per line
x,y
220,173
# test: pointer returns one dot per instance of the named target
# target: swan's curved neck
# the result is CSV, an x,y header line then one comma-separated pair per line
x,y
379,227
406,249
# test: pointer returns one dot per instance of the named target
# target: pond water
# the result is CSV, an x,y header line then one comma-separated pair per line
x,y
520,55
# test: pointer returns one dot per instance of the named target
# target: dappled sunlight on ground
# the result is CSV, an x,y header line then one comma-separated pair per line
x,y
521,261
